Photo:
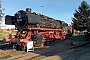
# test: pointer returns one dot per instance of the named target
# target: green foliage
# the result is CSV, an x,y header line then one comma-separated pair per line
x,y
81,17
2,35
78,38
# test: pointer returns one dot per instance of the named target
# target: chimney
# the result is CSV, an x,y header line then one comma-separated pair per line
x,y
28,10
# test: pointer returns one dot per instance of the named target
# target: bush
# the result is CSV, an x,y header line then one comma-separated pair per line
x,y
2,35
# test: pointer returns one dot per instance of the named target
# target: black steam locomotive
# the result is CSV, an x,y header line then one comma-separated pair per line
x,y
37,28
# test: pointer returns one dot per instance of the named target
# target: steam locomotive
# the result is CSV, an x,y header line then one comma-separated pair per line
x,y
37,28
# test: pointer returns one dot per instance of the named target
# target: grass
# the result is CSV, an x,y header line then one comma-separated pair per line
x,y
5,33
2,35
76,39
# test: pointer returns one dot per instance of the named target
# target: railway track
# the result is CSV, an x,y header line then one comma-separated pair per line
x,y
73,54
5,46
77,52
40,56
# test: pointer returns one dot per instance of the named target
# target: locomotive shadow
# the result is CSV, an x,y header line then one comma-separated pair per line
x,y
49,51
6,47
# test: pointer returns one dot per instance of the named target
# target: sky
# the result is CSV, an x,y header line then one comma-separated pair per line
x,y
58,9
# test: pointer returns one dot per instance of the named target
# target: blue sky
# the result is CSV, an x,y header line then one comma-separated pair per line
x,y
58,9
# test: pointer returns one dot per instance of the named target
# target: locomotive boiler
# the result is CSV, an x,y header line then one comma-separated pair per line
x,y
25,19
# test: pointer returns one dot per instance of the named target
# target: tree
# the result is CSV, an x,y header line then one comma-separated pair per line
x,y
1,13
81,17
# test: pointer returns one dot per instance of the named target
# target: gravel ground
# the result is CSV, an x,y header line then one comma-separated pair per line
x,y
55,57
54,52
85,56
